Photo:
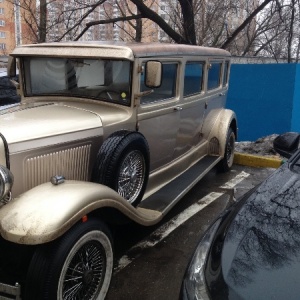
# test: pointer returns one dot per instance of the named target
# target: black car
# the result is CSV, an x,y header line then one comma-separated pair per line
x,y
8,92
252,251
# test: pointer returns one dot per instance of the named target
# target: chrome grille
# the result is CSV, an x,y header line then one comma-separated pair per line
x,y
71,163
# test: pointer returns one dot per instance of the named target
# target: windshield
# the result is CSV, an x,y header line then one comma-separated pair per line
x,y
107,80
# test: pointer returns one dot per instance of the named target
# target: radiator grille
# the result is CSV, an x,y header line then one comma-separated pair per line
x,y
71,163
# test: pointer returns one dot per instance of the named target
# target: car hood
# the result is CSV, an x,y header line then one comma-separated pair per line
x,y
25,125
261,251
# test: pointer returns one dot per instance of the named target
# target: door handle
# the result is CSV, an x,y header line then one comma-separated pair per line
x,y
177,108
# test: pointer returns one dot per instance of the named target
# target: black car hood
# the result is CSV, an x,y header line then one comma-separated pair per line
x,y
261,251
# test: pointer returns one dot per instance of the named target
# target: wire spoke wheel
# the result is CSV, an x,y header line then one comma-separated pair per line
x,y
84,275
230,149
77,266
123,165
131,176
226,163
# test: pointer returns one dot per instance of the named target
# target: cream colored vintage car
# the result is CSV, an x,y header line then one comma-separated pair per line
x,y
104,132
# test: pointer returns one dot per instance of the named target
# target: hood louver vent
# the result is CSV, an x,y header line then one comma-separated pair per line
x,y
71,163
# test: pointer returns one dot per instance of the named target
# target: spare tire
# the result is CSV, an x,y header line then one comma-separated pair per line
x,y
123,165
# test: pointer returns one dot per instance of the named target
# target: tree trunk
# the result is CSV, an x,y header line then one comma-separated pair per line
x,y
291,32
139,29
188,21
146,12
43,21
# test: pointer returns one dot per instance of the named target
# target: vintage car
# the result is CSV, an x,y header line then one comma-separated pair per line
x,y
105,132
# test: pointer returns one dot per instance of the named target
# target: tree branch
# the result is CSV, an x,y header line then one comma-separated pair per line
x,y
99,22
153,16
93,7
244,24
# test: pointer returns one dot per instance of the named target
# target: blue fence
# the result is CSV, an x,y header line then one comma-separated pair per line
x,y
266,98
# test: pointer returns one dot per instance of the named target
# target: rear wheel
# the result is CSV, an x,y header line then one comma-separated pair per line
x,y
77,266
226,163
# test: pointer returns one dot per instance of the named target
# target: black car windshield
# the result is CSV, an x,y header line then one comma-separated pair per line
x,y
107,80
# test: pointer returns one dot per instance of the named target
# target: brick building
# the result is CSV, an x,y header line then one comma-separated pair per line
x,y
62,17
13,29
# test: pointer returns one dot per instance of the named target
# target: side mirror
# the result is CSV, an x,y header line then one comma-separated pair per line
x,y
287,144
11,67
153,74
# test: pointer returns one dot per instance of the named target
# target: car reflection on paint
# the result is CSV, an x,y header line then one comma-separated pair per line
x,y
252,251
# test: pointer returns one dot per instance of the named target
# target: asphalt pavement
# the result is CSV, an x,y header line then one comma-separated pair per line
x,y
150,261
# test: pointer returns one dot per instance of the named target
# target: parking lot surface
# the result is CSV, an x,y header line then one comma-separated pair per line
x,y
150,261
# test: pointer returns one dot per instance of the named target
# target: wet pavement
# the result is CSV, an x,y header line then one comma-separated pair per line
x,y
150,261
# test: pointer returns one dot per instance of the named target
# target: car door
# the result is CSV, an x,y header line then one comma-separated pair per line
x,y
192,106
216,91
158,118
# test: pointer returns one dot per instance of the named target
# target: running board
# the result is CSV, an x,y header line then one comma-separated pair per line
x,y
9,292
165,198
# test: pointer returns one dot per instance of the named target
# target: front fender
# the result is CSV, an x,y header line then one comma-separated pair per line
x,y
47,211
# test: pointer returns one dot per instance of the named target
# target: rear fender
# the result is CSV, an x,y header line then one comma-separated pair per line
x,y
47,211
224,121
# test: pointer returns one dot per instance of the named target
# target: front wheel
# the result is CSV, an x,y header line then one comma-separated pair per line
x,y
226,163
77,266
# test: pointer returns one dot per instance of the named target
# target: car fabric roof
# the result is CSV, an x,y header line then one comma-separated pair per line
x,y
113,49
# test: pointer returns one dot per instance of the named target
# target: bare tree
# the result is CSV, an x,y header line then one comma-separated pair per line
x,y
43,21
254,27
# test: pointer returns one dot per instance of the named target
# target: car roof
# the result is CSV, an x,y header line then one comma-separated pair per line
x,y
115,49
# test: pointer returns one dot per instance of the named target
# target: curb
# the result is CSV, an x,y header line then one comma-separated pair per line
x,y
256,161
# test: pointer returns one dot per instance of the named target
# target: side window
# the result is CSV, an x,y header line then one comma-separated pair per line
x,y
167,89
214,75
226,73
193,77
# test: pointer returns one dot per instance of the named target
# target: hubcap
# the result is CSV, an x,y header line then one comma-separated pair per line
x,y
85,273
131,176
230,150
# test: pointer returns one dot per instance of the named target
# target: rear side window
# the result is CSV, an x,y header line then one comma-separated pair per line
x,y
193,77
226,71
214,75
167,89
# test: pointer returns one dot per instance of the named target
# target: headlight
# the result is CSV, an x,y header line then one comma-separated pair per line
x,y
6,182
194,286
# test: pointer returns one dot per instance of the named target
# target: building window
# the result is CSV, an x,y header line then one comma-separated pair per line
x,y
2,22
1,11
2,34
2,46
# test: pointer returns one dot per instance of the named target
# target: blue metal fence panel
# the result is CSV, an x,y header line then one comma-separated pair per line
x,y
262,95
